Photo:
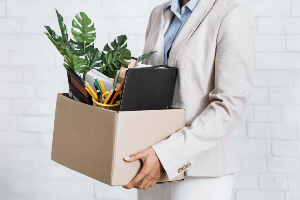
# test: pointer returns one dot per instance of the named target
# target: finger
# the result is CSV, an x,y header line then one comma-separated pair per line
x,y
144,183
136,180
149,184
153,183
134,157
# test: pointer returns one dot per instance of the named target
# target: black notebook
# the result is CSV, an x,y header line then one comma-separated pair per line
x,y
148,88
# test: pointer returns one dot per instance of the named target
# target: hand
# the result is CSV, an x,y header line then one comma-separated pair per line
x,y
151,171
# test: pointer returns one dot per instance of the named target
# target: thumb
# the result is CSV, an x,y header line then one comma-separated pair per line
x,y
134,157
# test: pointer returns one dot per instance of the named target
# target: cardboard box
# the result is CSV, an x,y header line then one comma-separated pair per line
x,y
93,141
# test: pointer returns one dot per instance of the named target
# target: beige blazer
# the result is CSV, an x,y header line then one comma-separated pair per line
x,y
215,57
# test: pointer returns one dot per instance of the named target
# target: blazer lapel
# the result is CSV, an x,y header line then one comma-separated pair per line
x,y
166,16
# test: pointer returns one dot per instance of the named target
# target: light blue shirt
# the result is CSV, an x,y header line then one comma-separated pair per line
x,y
181,16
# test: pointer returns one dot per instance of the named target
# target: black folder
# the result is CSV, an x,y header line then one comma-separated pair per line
x,y
148,88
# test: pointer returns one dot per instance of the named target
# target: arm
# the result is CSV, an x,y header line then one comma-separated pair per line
x,y
234,66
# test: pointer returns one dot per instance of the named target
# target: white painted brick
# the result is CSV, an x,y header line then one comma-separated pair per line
x,y
12,75
75,189
267,113
293,42
123,8
130,25
245,180
240,130
297,78
286,148
78,177
248,116
267,7
292,195
270,43
45,75
28,156
30,9
46,198
8,123
35,42
259,96
103,191
10,26
3,186
284,95
294,182
36,124
33,107
272,130
36,25
291,113
69,8
8,42
37,172
277,25
17,91
140,42
2,9
5,107
28,186
50,91
45,140
4,61
18,139
251,147
272,182
253,163
233,194
103,25
273,78
3,157
101,41
278,61
295,9
259,195
16,197
43,59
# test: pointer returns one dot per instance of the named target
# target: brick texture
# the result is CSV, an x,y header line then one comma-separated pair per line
x,y
267,138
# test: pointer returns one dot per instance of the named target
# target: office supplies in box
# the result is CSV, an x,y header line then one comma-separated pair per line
x,y
93,141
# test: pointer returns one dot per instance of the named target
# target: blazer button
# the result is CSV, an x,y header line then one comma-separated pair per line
x,y
184,167
188,165
179,170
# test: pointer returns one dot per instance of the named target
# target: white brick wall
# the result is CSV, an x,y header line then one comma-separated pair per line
x,y
267,138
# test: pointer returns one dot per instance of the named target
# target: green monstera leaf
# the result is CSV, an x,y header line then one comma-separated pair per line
x,y
63,28
85,27
115,56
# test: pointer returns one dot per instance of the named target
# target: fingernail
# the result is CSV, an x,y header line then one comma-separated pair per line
x,y
127,158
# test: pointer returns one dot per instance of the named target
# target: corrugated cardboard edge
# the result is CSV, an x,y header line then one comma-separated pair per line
x,y
113,169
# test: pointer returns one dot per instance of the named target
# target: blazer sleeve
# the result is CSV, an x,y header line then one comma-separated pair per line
x,y
234,69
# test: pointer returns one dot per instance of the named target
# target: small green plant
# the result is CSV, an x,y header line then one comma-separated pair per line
x,y
80,54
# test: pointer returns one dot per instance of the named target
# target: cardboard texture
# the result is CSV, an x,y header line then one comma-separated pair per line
x,y
93,141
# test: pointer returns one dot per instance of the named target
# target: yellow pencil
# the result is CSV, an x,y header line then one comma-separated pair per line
x,y
102,86
91,93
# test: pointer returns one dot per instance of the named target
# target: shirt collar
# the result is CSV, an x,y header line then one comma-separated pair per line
x,y
175,6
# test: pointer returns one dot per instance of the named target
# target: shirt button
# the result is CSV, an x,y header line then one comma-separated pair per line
x,y
179,170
